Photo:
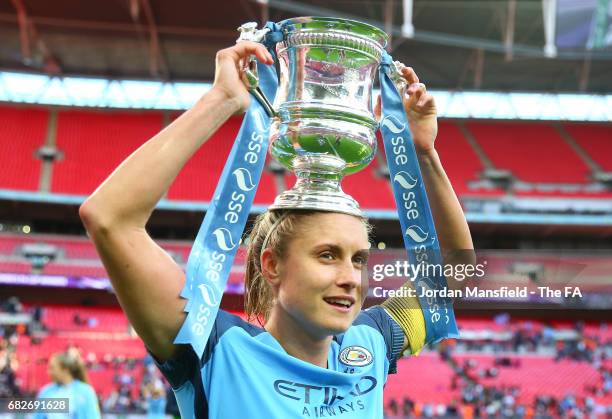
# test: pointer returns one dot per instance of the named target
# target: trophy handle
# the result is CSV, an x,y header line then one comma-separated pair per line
x,y
249,32
251,79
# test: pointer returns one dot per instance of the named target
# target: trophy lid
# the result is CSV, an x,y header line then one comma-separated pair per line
x,y
342,33
354,27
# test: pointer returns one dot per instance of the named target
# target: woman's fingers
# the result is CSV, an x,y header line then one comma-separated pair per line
x,y
245,49
409,74
414,95
426,102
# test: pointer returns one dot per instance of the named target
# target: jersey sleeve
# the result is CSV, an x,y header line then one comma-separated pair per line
x,y
185,365
377,318
407,313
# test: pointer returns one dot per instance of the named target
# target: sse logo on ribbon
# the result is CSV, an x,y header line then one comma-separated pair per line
x,y
405,180
392,124
243,179
417,234
216,244
414,212
224,237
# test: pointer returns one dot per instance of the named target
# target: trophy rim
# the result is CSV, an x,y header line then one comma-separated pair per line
x,y
375,33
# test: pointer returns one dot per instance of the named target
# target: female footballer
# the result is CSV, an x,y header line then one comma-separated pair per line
x,y
318,353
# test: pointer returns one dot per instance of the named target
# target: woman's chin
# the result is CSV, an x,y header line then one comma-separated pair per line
x,y
338,326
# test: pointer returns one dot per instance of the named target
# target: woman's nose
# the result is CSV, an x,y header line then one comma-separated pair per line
x,y
350,276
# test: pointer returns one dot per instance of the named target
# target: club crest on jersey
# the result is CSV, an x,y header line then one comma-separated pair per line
x,y
355,356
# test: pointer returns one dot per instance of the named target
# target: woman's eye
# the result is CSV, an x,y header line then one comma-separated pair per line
x,y
326,255
359,260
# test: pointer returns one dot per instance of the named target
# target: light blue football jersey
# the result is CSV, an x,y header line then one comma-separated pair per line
x,y
83,402
245,372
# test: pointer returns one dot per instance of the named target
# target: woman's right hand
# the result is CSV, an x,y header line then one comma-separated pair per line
x,y
229,65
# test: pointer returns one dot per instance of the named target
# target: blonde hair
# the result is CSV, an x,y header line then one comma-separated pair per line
x,y
273,229
74,364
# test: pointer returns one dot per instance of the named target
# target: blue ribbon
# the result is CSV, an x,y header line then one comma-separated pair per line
x,y
419,232
215,246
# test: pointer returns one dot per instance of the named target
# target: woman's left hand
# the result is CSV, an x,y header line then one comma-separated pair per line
x,y
420,109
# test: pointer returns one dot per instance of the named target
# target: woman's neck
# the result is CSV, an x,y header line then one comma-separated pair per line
x,y
64,381
296,340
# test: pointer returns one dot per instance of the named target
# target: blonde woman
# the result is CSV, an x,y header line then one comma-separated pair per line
x,y
317,354
69,380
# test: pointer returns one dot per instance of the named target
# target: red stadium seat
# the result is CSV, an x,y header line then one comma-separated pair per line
x,y
596,140
22,132
61,318
198,180
533,152
15,267
74,269
33,358
94,143
426,378
539,375
460,161
110,326
372,191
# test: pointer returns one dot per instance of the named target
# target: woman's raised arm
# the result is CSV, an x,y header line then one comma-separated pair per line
x,y
449,219
146,279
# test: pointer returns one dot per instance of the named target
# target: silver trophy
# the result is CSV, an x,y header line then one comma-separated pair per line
x,y
323,126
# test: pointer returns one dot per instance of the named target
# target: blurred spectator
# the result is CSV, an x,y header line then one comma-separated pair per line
x,y
8,382
12,305
155,399
69,380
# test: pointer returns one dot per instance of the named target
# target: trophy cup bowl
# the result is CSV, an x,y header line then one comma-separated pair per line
x,y
324,127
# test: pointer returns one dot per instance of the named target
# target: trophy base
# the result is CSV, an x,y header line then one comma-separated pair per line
x,y
323,128
318,187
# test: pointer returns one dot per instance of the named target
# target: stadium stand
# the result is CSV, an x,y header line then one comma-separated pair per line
x,y
454,377
113,360
77,257
94,143
433,386
197,181
534,375
460,160
22,131
369,189
533,152
74,269
62,318
22,267
596,140
117,364
113,135
74,249
71,247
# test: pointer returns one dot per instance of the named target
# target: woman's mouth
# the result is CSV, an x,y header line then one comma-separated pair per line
x,y
342,304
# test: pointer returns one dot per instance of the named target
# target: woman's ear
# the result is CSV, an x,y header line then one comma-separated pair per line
x,y
270,267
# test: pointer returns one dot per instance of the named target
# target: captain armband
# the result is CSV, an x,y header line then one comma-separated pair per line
x,y
407,312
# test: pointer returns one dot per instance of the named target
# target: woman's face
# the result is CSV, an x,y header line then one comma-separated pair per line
x,y
321,282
